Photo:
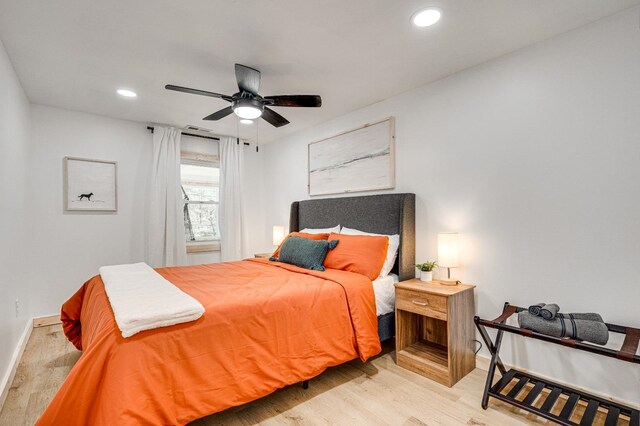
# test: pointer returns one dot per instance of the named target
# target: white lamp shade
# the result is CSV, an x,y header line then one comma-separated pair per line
x,y
448,250
278,235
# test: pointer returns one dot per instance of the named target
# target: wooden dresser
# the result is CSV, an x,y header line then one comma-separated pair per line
x,y
434,329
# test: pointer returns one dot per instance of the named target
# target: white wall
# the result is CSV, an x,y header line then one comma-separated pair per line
x,y
67,248
14,165
533,158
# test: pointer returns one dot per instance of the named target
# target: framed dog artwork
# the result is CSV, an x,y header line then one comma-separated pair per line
x,y
90,185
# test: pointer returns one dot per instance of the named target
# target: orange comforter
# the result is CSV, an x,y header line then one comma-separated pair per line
x,y
266,325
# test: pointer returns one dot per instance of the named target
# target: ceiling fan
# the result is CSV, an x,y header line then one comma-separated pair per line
x,y
248,104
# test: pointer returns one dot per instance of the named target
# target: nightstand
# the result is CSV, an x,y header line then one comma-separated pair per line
x,y
263,255
434,330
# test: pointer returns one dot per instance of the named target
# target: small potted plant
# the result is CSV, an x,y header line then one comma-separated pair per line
x,y
426,270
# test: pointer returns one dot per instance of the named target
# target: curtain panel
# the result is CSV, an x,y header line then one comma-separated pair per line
x,y
231,217
166,241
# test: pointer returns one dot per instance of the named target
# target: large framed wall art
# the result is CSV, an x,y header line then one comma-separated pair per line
x,y
361,159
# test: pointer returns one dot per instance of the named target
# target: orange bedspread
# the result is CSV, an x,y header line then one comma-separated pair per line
x,y
266,325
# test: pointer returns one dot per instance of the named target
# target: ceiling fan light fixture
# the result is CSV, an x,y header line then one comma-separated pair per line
x,y
246,121
246,108
426,17
248,112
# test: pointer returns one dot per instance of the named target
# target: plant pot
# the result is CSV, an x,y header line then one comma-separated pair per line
x,y
426,275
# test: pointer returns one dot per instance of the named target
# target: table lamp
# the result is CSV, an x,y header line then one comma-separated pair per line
x,y
448,254
278,235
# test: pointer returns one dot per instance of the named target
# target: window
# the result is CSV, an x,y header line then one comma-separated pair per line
x,y
200,176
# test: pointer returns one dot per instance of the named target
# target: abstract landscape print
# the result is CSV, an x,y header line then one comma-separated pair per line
x,y
90,185
357,160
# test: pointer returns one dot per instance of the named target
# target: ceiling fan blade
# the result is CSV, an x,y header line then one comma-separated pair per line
x,y
295,100
219,114
273,118
197,92
248,79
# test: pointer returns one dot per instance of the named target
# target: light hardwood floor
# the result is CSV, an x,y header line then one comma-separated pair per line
x,y
374,393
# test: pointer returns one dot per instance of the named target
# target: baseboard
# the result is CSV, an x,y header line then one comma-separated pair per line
x,y
45,321
482,362
7,380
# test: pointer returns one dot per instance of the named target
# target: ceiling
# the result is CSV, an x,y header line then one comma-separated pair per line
x,y
74,54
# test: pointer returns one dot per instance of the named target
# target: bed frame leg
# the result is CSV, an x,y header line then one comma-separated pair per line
x,y
305,384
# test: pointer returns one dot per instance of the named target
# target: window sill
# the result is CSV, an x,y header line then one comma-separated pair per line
x,y
203,246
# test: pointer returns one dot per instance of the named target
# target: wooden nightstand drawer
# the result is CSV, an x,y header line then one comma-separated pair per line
x,y
422,303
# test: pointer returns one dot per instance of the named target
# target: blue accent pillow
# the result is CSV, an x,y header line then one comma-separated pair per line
x,y
305,253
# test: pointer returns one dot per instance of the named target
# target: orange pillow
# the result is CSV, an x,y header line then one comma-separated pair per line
x,y
303,235
363,254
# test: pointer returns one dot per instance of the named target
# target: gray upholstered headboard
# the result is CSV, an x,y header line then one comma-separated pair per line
x,y
380,214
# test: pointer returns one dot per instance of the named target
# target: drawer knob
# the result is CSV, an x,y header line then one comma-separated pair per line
x,y
419,303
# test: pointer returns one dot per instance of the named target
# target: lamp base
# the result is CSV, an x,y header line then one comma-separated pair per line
x,y
448,280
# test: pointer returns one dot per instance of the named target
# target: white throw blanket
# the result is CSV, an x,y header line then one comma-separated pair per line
x,y
142,299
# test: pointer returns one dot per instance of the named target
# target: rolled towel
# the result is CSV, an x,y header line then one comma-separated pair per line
x,y
535,309
568,326
550,311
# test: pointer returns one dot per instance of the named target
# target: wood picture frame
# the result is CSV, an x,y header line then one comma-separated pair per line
x,y
90,185
361,159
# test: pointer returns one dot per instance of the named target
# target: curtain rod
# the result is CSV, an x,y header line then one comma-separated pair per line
x,y
151,128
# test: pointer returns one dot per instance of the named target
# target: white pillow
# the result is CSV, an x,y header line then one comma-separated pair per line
x,y
392,251
335,229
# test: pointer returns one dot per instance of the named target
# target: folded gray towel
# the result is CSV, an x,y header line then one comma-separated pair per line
x,y
550,311
568,325
535,309
586,316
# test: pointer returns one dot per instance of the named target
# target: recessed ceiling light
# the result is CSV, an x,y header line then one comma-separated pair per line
x,y
246,121
426,17
127,93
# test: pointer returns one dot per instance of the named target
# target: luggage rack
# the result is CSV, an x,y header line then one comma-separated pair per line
x,y
615,412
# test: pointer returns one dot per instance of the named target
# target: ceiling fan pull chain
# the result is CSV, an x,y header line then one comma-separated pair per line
x,y
257,134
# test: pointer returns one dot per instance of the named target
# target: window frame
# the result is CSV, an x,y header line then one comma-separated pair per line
x,y
207,160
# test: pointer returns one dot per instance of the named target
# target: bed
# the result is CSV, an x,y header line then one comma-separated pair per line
x,y
266,325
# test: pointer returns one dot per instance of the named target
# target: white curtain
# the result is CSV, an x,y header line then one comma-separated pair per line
x,y
166,244
231,210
